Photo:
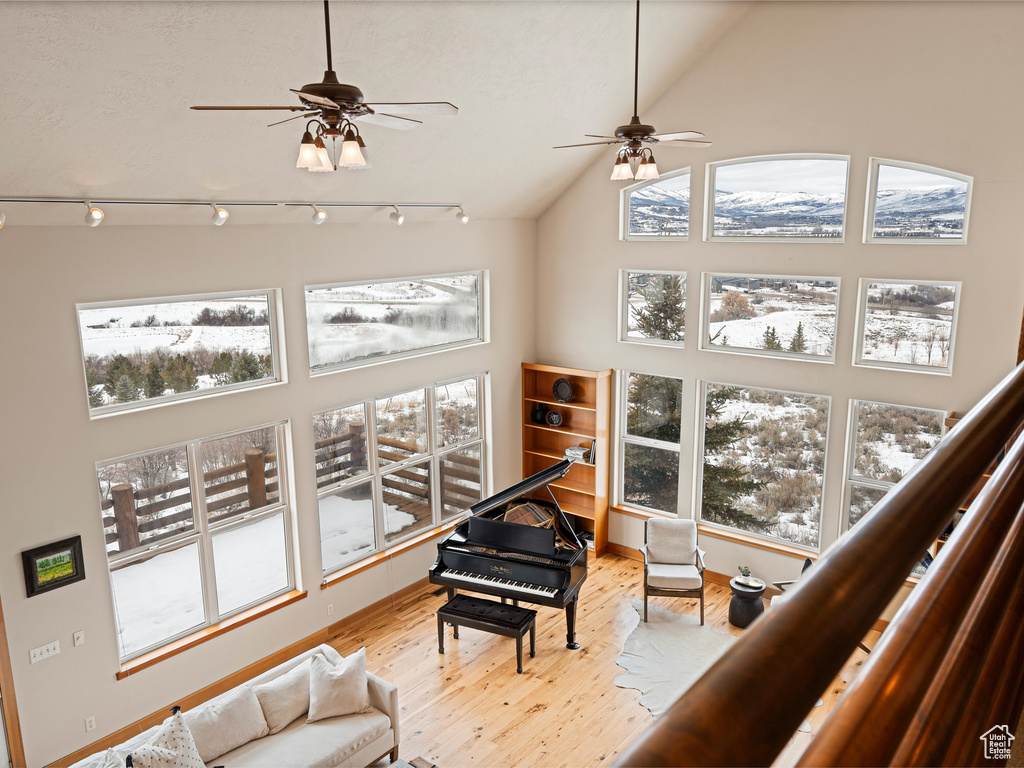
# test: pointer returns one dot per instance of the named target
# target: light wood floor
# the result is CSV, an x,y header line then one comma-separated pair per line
x,y
470,708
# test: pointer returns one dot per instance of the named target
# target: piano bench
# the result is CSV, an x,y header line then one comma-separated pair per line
x,y
489,616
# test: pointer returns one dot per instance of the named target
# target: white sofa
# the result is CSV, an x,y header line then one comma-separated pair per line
x,y
355,740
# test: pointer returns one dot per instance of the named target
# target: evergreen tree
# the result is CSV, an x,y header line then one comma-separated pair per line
x,y
125,391
92,383
245,367
154,379
771,340
121,366
651,474
180,374
798,343
722,483
222,367
662,315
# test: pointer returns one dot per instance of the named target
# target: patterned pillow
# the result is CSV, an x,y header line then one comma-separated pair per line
x,y
171,747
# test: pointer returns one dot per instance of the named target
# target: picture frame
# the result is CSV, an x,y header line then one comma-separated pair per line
x,y
53,565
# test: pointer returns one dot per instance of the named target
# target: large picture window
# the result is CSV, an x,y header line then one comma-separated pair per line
x,y
395,466
770,314
157,350
764,460
780,197
909,203
652,307
359,323
907,324
649,442
195,533
660,209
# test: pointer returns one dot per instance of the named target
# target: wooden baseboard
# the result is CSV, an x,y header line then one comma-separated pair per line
x,y
236,678
624,551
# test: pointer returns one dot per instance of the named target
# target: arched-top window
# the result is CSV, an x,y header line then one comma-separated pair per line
x,y
910,203
793,198
657,209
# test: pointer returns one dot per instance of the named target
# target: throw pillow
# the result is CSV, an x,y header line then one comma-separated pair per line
x,y
286,697
338,690
228,722
171,747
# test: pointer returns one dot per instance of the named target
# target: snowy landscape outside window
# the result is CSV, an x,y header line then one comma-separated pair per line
x,y
764,462
141,352
916,204
907,324
393,467
360,323
776,315
653,307
796,198
658,209
194,533
649,445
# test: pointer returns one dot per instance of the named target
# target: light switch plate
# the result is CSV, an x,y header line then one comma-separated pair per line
x,y
44,651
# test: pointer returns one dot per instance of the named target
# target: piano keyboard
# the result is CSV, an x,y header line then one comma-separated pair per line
x,y
494,581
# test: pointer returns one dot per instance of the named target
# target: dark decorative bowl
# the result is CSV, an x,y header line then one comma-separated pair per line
x,y
562,390
554,418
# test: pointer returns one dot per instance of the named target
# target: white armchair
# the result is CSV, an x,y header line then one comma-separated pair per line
x,y
673,563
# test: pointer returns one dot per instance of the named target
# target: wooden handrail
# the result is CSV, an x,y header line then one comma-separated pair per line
x,y
771,677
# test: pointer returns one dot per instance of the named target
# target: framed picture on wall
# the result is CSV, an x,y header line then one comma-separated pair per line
x,y
53,565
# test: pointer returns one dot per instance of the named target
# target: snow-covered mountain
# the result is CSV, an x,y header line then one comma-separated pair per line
x,y
798,204
935,201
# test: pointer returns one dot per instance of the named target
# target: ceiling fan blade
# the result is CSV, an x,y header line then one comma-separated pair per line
x,y
289,119
388,121
596,136
685,135
415,107
589,144
312,99
292,109
684,143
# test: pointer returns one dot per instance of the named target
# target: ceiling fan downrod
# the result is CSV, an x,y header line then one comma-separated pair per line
x,y
327,26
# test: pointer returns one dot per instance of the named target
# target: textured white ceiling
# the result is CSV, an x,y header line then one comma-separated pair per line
x,y
95,98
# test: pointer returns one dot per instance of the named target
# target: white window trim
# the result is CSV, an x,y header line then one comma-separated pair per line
x,y
274,312
203,533
698,460
872,197
862,303
709,200
483,310
624,195
705,344
623,323
376,471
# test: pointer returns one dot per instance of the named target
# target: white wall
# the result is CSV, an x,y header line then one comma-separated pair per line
x,y
50,446
921,82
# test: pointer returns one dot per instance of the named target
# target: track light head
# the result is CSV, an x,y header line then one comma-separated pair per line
x,y
3,219
93,215
219,215
319,215
397,216
461,217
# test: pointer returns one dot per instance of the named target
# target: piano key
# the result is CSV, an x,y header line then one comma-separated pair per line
x,y
519,586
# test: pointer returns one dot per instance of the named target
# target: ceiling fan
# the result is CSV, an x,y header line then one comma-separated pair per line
x,y
635,135
335,108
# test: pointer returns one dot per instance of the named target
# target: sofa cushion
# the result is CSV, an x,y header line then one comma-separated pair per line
x,y
226,722
322,744
170,747
338,690
285,698
663,576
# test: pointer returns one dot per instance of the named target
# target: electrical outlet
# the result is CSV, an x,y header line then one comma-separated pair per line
x,y
90,723
79,638
330,609
44,651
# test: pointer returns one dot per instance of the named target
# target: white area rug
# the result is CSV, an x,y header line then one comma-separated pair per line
x,y
665,656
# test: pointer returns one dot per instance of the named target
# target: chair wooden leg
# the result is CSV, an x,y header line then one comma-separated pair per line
x,y
702,607
394,754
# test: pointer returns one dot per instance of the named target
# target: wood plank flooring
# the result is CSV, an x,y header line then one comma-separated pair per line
x,y
468,707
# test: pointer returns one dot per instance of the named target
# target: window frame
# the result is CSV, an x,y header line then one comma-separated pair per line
x,y
704,343
711,170
275,324
624,437
204,532
482,313
861,327
376,471
623,304
624,206
874,164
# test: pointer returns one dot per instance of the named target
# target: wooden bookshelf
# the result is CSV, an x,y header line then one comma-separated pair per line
x,y
583,492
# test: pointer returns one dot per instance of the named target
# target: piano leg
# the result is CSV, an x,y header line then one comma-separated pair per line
x,y
451,593
570,622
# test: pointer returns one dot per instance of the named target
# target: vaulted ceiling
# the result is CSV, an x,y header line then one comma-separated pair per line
x,y
96,97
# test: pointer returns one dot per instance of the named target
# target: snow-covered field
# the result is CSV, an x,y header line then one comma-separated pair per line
x,y
346,527
176,339
906,337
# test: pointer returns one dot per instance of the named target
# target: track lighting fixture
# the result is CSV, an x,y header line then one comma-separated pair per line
x,y
219,215
3,219
397,216
93,215
461,217
319,215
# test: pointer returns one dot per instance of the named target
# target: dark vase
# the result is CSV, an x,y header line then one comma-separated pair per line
x,y
539,413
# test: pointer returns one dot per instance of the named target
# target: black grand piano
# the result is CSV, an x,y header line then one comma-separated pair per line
x,y
519,547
